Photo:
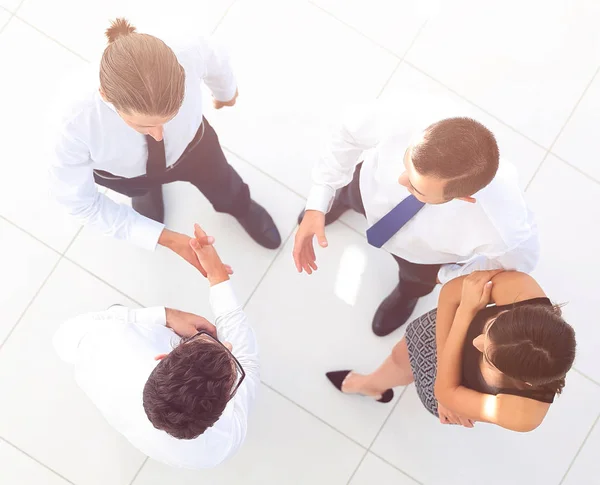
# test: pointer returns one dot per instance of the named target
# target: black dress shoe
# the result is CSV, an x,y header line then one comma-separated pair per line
x,y
338,208
393,312
260,226
150,205
337,378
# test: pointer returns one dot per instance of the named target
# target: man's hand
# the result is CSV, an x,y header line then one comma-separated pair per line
x,y
219,104
448,417
180,244
207,257
313,224
187,324
477,290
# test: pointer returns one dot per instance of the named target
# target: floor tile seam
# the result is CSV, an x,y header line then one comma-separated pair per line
x,y
48,36
354,29
579,450
31,301
36,460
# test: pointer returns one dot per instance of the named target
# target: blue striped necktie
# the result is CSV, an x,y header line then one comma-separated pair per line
x,y
385,228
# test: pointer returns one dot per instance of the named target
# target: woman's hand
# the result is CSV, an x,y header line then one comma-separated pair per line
x,y
477,290
448,417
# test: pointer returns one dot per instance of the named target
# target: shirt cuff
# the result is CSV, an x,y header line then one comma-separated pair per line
x,y
146,232
226,93
320,198
154,315
223,299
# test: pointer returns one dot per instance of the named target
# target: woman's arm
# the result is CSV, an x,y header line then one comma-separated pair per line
x,y
448,303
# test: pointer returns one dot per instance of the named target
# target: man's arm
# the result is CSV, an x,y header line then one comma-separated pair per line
x,y
524,258
215,69
359,129
233,327
72,185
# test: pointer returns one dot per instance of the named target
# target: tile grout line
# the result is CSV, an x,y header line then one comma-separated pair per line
x,y
121,292
52,39
551,147
456,93
387,82
36,460
223,17
310,413
357,467
582,374
10,17
139,470
264,275
579,450
19,6
26,309
25,231
388,417
381,429
354,29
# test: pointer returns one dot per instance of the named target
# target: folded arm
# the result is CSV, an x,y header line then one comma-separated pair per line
x,y
512,412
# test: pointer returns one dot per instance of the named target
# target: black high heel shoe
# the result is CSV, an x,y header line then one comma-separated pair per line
x,y
337,378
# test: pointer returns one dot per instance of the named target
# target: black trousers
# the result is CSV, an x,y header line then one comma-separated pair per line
x,y
416,280
204,165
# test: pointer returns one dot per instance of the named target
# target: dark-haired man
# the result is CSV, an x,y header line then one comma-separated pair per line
x,y
177,388
440,200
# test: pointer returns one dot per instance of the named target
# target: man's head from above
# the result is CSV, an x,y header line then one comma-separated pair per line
x,y
142,78
190,387
452,159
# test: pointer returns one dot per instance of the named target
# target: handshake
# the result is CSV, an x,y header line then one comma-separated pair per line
x,y
207,259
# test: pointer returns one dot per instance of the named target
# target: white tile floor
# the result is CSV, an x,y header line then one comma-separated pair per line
x,y
526,69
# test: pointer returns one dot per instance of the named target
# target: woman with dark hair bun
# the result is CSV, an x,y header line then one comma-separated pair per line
x,y
495,350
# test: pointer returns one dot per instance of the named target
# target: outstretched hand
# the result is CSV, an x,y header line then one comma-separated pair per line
x,y
207,256
313,224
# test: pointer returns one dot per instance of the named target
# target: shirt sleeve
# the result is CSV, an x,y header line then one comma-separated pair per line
x,y
72,186
233,327
359,129
149,316
523,258
215,69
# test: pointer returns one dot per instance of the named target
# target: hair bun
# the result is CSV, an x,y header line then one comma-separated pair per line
x,y
119,27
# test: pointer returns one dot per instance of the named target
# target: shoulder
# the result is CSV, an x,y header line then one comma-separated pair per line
x,y
75,98
518,413
514,286
503,203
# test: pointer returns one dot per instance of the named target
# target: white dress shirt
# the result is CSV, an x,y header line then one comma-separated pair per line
x,y
87,134
498,231
113,354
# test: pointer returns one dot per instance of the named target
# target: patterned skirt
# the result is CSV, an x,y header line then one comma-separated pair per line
x,y
420,340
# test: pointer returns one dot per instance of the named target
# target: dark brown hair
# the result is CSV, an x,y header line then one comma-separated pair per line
x,y
533,344
189,389
461,151
140,73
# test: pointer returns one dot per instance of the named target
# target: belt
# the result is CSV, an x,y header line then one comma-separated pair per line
x,y
193,144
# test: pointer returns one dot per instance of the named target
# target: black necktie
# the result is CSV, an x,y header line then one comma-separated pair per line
x,y
157,161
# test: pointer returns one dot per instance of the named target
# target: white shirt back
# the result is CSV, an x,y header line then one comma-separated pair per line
x,y
114,352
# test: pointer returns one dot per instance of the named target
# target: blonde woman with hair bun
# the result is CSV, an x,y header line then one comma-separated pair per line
x,y
142,126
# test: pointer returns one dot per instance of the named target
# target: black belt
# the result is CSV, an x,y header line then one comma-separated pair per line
x,y
193,144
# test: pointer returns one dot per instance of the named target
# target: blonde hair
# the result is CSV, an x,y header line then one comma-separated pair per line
x,y
140,73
